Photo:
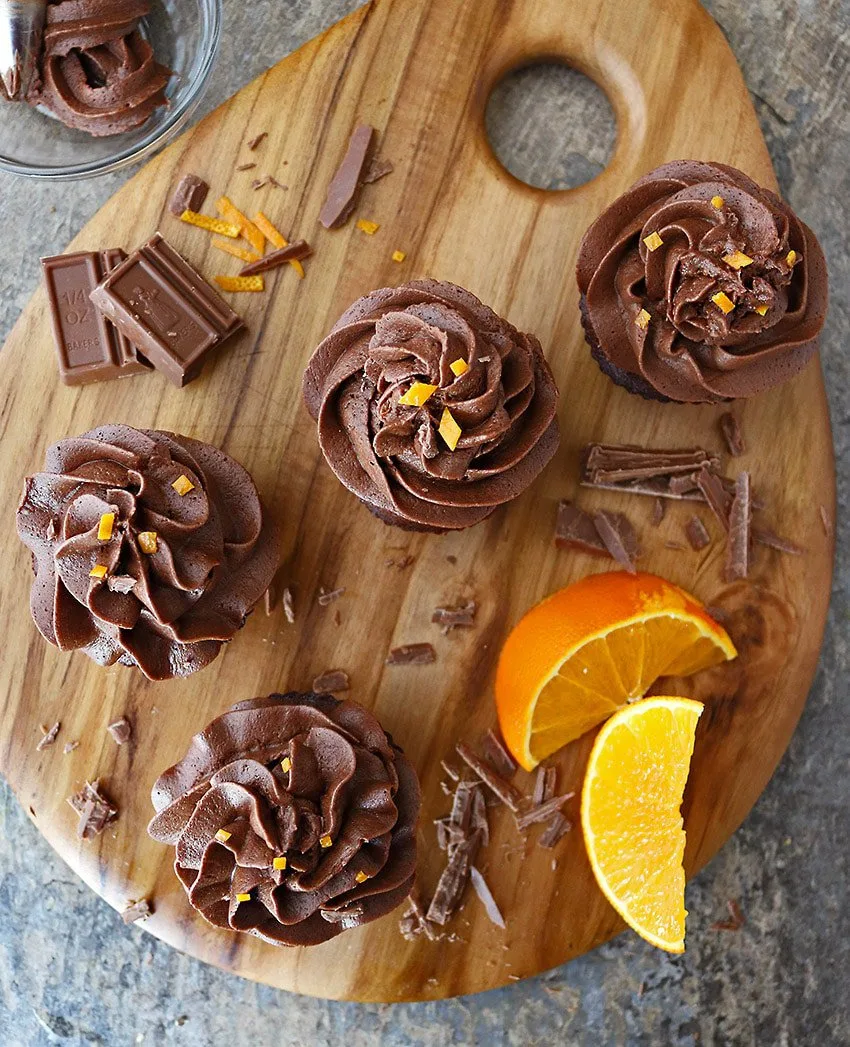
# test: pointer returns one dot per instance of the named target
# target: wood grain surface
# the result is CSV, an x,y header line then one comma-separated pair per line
x,y
420,71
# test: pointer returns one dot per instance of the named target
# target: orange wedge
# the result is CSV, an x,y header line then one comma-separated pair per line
x,y
630,814
584,652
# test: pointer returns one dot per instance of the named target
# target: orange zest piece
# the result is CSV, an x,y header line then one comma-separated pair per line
x,y
717,202
234,249
325,841
399,256
642,319
417,395
653,241
104,528
147,542
360,876
223,835
241,283
738,260
230,213
723,302
212,225
591,648
286,765
279,862
276,239
762,310
458,367
791,257
631,819
98,571
367,227
183,485
450,431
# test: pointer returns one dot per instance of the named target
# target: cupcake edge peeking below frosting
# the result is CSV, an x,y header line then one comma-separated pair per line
x,y
178,573
697,285
293,818
485,385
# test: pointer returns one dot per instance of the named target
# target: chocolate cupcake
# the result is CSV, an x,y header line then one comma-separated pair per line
x,y
293,818
149,549
431,409
699,286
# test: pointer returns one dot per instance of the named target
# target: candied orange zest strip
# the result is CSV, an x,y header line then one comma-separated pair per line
x,y
717,202
360,876
183,485
228,210
236,250
212,225
279,862
276,239
738,260
642,319
104,528
791,257
449,429
147,542
723,302
286,764
243,897
653,241
241,283
417,395
98,571
223,835
367,227
458,367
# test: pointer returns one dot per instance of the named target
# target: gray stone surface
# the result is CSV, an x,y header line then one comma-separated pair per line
x,y
70,973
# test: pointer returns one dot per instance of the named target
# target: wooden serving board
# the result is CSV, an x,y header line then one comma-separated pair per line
x,y
420,71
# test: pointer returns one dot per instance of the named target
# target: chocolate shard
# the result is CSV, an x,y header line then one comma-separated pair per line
x,y
765,536
550,782
460,617
542,811
331,681
412,654
683,484
377,169
190,195
507,793
136,911
659,510
272,595
539,785
716,495
166,309
289,606
89,348
254,142
294,252
619,538
121,731
558,827
497,755
608,465
485,896
574,529
696,534
94,809
48,736
453,881
740,520
327,596
478,821
345,184
730,430
418,921
245,167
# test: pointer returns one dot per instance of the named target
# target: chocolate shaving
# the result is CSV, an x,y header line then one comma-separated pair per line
x,y
246,167
332,680
549,783
541,812
120,583
120,731
460,617
715,494
254,142
683,485
50,533
486,898
347,918
453,881
764,536
289,606
259,183
736,918
740,517
345,184
414,922
70,747
507,793
659,509
271,597
378,169
675,545
190,194
135,911
557,828
577,529
539,786
94,809
497,755
696,534
606,464
450,771
478,821
412,654
730,430
48,736
462,806
825,521
401,564
617,534
327,596
293,252
272,181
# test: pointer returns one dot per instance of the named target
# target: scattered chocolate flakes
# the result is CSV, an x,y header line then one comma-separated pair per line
x,y
451,558
190,194
289,606
460,617
539,786
272,181
331,681
260,183
577,529
69,747
697,534
94,809
740,518
377,169
120,583
550,781
135,911
507,793
485,896
684,485
497,755
730,430
294,252
825,521
271,597
344,186
48,736
412,654
414,922
542,811
453,881
246,167
478,821
558,827
462,806
765,536
659,509
254,142
401,564
120,731
736,918
718,498
327,596
619,538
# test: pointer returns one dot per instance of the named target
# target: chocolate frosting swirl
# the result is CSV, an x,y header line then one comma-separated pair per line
x,y
169,611
343,815
98,73
691,350
391,455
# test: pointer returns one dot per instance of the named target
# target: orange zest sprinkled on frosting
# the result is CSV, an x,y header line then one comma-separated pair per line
x,y
458,367
642,319
212,225
286,764
279,862
223,835
738,260
104,528
449,429
399,256
717,202
183,485
367,227
653,241
98,571
230,213
243,897
325,841
417,395
243,253
147,542
762,310
791,257
360,876
241,283
723,302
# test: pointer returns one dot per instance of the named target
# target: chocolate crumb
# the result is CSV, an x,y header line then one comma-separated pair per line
x,y
497,755
730,430
120,730
94,809
120,583
459,617
412,654
48,736
486,898
696,534
135,911
272,181
507,793
378,169
765,536
70,747
289,606
619,538
327,596
332,680
738,545
254,142
659,509
346,182
452,559
558,827
542,811
246,167
190,194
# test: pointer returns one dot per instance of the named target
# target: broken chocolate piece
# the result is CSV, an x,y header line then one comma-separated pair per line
x,y
497,755
94,809
294,252
542,811
539,785
507,793
462,616
48,736
619,538
558,827
574,528
88,347
241,167
453,881
718,498
659,474
740,518
478,821
136,911
659,509
418,922
327,596
412,654
730,430
272,595
696,534
377,169
69,747
190,195
331,681
344,186
765,536
120,730
485,896
166,309
550,781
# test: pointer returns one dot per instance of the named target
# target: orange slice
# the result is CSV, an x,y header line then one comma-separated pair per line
x,y
587,650
630,814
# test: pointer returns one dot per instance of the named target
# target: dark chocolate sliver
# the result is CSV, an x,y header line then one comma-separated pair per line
x,y
94,809
730,430
497,755
765,536
557,828
455,617
507,793
619,538
166,309
342,192
740,517
696,534
294,252
331,681
190,195
254,142
718,498
88,347
378,169
412,654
